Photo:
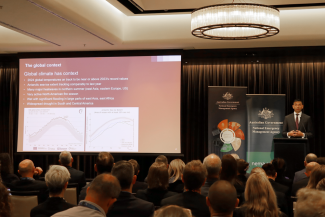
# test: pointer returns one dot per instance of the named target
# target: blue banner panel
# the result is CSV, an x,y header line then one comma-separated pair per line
x,y
227,121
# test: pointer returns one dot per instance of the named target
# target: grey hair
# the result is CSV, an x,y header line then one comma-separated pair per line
x,y
65,158
310,203
172,211
212,162
56,177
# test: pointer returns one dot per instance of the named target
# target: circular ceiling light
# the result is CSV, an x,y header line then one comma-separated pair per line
x,y
235,21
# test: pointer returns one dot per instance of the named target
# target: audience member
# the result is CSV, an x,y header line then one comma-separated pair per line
x,y
104,164
229,169
162,159
7,175
175,171
301,174
57,179
194,177
241,179
173,211
5,206
258,170
304,181
222,199
280,168
157,185
137,185
321,185
27,170
235,156
310,203
101,194
77,176
212,164
127,204
321,160
317,174
260,198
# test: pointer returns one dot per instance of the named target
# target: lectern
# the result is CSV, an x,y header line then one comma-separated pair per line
x,y
293,151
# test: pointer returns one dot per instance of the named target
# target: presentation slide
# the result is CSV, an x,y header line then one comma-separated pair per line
x,y
114,104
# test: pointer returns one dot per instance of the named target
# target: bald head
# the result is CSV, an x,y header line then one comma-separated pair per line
x,y
104,186
310,167
212,162
310,158
222,197
26,167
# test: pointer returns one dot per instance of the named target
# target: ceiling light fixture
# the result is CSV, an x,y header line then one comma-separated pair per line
x,y
235,21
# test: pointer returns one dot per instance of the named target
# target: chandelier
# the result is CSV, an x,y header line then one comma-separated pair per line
x,y
235,21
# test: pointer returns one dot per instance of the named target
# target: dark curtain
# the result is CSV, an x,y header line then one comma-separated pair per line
x,y
301,77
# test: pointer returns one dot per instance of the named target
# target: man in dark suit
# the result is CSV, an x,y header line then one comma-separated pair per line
x,y
299,175
212,163
104,164
137,185
127,204
194,177
57,179
297,124
303,182
77,176
27,170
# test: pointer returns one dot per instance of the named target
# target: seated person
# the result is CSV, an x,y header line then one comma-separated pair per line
x,y
173,211
101,194
321,185
104,164
317,174
7,175
77,176
212,163
56,179
137,185
241,179
194,177
126,203
280,167
302,183
5,206
157,185
175,171
299,175
222,199
310,202
229,169
27,170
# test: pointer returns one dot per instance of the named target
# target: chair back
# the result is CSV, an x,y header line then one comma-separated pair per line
x,y
70,194
23,202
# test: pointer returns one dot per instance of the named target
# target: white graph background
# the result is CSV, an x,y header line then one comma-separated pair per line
x,y
54,129
113,129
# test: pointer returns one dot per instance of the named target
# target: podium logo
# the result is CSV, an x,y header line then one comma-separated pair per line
x,y
227,96
265,114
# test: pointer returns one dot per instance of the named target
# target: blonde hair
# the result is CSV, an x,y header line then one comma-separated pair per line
x,y
176,168
260,197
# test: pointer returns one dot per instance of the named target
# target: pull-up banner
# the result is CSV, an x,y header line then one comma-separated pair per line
x,y
227,121
265,115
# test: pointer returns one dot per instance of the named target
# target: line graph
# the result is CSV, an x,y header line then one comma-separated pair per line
x,y
113,129
54,129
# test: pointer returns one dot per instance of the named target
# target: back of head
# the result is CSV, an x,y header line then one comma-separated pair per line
x,y
235,156
6,165
258,170
212,163
124,172
65,158
104,186
260,197
269,169
135,165
317,174
242,166
310,166
222,197
104,162
229,168
5,206
26,167
321,160
172,211
321,185
280,166
310,203
158,176
194,175
162,158
56,178
310,158
175,169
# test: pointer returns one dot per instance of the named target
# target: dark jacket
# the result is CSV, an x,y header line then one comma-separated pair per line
x,y
51,206
77,176
298,185
299,175
189,200
128,205
154,195
139,186
207,185
7,178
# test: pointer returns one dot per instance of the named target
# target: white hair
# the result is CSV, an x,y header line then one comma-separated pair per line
x,y
212,163
56,178
65,158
